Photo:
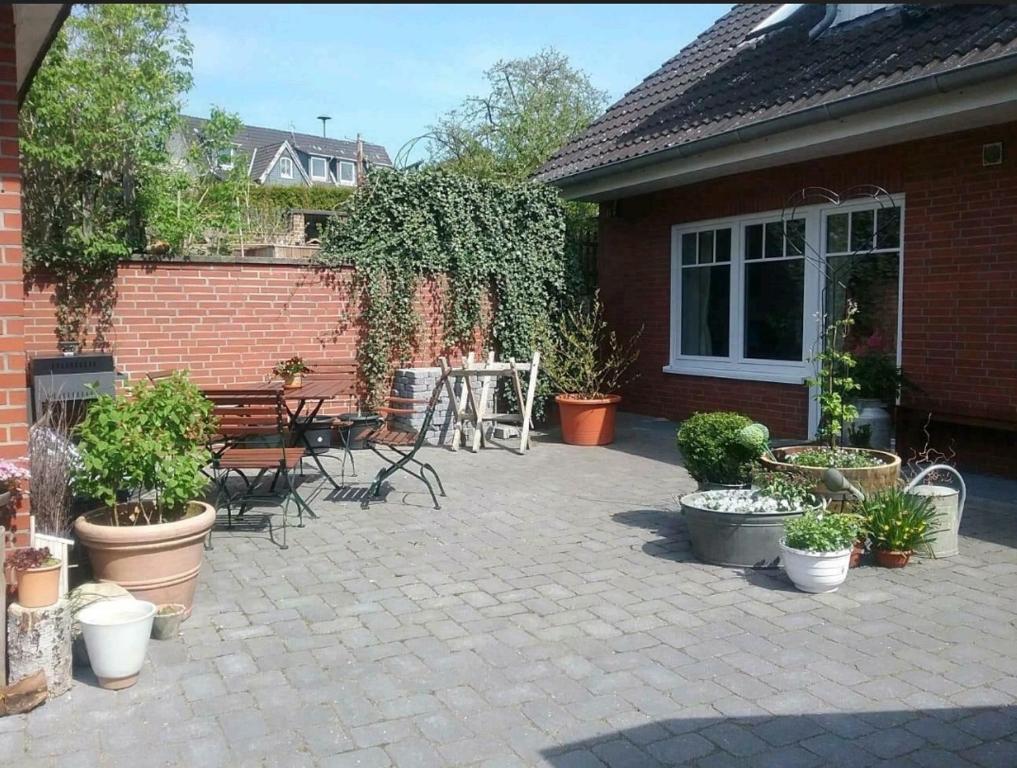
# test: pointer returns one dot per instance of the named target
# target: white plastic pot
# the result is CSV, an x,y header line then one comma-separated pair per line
x,y
116,635
815,571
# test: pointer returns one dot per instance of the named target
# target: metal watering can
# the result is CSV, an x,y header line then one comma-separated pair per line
x,y
948,502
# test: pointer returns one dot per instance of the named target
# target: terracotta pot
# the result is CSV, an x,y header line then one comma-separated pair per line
x,y
39,587
888,559
292,382
587,422
869,480
158,563
857,552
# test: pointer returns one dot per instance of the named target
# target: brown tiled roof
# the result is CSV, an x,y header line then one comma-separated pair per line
x,y
721,82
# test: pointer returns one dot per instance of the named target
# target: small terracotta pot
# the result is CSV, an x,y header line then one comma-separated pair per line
x,y
292,382
167,620
587,422
39,587
857,552
888,559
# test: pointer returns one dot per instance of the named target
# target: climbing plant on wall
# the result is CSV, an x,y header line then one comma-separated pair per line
x,y
484,236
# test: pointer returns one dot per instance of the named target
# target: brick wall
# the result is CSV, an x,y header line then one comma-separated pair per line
x,y
229,323
960,282
13,416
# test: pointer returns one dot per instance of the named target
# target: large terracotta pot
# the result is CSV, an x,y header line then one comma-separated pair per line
x,y
158,563
869,480
587,422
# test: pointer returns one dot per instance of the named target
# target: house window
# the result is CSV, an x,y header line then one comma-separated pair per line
x,y
319,168
746,292
862,254
285,168
706,292
774,294
347,172
225,158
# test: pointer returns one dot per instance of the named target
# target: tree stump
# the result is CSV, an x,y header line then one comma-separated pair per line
x,y
40,638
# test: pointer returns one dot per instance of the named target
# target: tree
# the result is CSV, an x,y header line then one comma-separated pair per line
x,y
535,105
95,128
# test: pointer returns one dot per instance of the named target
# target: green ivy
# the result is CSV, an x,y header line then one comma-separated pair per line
x,y
484,236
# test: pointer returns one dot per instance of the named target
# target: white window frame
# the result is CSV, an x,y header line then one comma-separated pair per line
x,y
284,163
736,365
310,167
339,173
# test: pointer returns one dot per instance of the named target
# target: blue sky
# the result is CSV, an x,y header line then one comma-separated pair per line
x,y
388,70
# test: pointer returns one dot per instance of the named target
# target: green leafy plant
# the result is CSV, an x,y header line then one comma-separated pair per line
x,y
832,380
791,486
824,457
482,240
880,378
291,367
898,521
582,356
860,435
150,441
822,531
721,447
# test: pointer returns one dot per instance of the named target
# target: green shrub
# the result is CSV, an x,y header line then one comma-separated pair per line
x,y
148,440
318,198
821,532
720,447
897,521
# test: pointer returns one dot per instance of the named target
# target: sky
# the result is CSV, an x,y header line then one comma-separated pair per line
x,y
388,71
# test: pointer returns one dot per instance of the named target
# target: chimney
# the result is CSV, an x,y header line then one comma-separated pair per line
x,y
360,160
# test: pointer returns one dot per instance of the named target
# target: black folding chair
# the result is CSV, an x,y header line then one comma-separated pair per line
x,y
404,442
250,414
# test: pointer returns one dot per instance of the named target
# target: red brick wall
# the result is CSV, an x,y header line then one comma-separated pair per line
x,y
228,323
960,280
13,415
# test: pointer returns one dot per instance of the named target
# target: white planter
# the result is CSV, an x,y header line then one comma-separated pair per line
x,y
815,571
873,413
116,635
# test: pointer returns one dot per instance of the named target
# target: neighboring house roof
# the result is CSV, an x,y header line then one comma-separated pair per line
x,y
251,138
265,158
720,83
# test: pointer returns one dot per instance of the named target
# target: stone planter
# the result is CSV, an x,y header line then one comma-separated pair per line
x,y
873,414
869,480
167,621
587,422
159,563
815,572
735,538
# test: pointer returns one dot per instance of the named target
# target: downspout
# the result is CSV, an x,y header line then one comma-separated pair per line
x,y
825,22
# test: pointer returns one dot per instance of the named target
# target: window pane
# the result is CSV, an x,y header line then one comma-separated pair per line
x,y
706,247
318,167
722,245
861,230
706,299
888,228
774,240
774,296
754,241
837,233
796,237
346,171
689,248
872,282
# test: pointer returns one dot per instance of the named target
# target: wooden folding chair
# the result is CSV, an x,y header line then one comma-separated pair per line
x,y
344,372
255,413
404,443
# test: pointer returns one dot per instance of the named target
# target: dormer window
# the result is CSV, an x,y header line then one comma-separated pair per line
x,y
319,168
225,158
285,168
347,173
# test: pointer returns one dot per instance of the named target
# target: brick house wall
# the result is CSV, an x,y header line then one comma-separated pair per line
x,y
230,322
960,283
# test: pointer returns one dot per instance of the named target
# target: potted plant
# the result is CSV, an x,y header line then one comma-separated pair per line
x,y
38,576
290,371
586,363
898,523
880,383
141,455
743,527
10,476
116,634
868,469
816,549
720,448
